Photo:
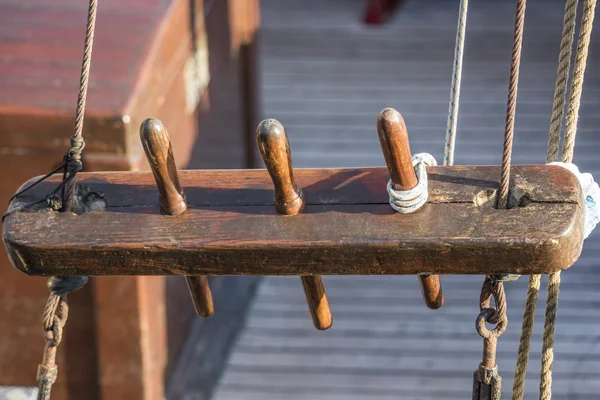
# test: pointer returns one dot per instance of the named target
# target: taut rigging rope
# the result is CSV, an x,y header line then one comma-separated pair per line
x,y
583,45
512,103
56,310
562,79
456,82
558,107
74,154
553,155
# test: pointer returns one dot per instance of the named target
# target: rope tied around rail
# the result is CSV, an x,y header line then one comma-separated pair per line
x,y
409,201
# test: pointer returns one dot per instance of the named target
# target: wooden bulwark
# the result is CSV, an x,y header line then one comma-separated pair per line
x,y
347,227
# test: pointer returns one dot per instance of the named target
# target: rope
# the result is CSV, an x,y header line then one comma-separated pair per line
x,y
583,45
562,79
493,288
548,340
456,80
552,155
73,157
533,290
54,320
512,103
57,308
409,201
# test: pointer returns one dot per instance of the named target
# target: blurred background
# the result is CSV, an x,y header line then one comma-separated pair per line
x,y
211,70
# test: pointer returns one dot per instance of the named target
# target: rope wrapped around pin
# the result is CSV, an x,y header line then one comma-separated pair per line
x,y
410,200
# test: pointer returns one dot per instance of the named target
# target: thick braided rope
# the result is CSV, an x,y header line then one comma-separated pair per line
x,y
533,290
533,287
512,103
54,320
73,157
583,45
548,340
456,80
562,79
409,201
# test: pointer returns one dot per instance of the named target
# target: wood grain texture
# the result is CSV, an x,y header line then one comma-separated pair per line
x,y
393,136
159,153
347,227
171,197
318,305
274,148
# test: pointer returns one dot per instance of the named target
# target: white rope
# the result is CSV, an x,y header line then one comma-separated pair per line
x,y
409,201
456,80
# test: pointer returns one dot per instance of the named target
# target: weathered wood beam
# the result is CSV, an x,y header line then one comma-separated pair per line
x,y
347,227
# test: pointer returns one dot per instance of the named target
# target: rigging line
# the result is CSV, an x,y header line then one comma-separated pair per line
x,y
558,107
55,315
562,79
456,82
583,44
77,144
512,103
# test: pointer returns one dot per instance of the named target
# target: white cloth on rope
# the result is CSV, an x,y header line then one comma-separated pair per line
x,y
409,201
591,196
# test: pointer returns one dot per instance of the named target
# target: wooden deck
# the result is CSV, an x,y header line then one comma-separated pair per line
x,y
326,77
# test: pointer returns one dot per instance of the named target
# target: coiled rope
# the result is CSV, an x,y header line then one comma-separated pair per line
x,y
409,201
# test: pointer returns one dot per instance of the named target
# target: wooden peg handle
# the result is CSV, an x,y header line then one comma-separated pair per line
x,y
393,137
157,146
316,299
201,295
275,151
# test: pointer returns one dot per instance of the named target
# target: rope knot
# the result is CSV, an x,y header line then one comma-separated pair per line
x,y
73,157
409,201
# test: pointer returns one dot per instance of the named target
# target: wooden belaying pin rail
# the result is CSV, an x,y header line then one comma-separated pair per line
x,y
393,137
232,226
275,151
171,197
